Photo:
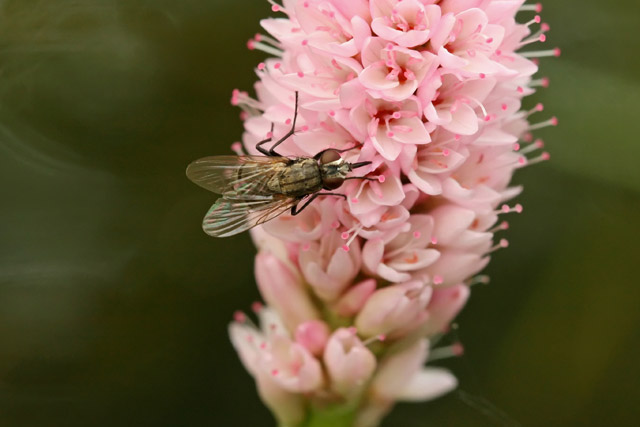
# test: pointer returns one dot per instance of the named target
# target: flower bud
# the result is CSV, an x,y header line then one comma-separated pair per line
x,y
444,306
353,301
283,290
313,335
348,362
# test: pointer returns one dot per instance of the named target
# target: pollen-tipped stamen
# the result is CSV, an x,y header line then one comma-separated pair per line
x,y
553,121
453,350
542,53
503,243
537,7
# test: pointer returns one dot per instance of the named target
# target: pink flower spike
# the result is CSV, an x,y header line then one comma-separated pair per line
x,y
423,100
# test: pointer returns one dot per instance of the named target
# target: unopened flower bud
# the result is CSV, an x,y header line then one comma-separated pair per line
x,y
283,290
348,362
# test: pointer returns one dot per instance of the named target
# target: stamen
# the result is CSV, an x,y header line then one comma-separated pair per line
x,y
505,209
542,53
553,121
236,147
354,199
252,44
257,307
541,158
275,7
356,230
535,20
504,243
504,225
536,145
454,350
480,279
543,82
531,8
240,317
479,104
377,338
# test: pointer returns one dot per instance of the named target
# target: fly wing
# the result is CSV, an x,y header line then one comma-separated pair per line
x,y
233,215
241,175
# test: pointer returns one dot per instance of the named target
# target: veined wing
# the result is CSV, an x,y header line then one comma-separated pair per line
x,y
233,215
240,175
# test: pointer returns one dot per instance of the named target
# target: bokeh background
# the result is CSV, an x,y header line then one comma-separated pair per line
x,y
114,304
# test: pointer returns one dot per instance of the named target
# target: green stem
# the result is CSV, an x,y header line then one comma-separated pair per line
x,y
335,416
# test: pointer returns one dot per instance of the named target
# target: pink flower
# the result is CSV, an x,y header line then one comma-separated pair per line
x,y
395,257
392,308
327,267
389,127
430,94
400,377
407,23
391,72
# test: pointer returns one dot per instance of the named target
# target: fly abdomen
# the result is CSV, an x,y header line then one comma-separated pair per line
x,y
300,178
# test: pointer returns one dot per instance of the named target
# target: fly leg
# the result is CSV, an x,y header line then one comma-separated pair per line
x,y
272,152
296,211
264,141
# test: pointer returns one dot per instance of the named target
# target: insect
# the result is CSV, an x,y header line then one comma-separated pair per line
x,y
256,189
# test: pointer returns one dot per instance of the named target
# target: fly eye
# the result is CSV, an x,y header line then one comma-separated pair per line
x,y
332,183
329,156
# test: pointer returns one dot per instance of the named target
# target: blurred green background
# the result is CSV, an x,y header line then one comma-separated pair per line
x,y
114,304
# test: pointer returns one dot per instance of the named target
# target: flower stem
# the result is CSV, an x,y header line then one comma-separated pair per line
x,y
332,416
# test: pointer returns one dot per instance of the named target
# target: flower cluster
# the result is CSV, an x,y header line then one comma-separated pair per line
x,y
356,289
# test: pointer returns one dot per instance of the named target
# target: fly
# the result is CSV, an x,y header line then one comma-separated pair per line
x,y
256,189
